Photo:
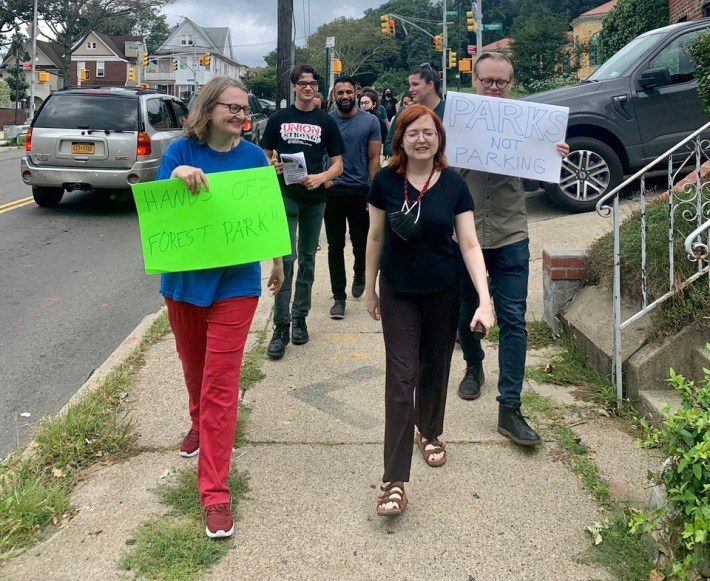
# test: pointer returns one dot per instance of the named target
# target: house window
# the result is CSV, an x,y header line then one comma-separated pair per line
x,y
91,45
99,69
706,9
187,40
594,50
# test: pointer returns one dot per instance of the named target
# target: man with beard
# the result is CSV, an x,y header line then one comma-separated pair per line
x,y
346,195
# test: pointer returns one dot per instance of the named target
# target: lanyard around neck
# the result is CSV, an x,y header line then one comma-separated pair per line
x,y
421,193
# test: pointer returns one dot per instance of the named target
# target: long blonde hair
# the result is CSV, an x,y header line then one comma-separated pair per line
x,y
197,125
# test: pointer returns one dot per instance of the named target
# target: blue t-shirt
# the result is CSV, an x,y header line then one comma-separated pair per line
x,y
357,132
204,287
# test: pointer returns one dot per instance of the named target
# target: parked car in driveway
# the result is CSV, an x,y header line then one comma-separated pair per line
x,y
100,139
634,107
255,125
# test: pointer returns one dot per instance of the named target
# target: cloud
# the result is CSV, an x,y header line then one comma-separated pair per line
x,y
253,23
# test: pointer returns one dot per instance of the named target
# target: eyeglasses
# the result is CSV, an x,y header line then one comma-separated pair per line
x,y
488,83
304,84
427,134
235,108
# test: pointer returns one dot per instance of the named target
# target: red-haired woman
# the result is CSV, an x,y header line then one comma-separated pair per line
x,y
416,204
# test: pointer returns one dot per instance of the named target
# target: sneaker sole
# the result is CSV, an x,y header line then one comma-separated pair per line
x,y
189,454
337,316
219,534
507,434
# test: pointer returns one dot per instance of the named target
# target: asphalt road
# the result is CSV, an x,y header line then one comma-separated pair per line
x,y
72,287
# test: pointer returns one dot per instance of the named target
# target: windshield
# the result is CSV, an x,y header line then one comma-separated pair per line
x,y
620,64
97,112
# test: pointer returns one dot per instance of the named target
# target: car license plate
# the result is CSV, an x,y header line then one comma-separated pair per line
x,y
82,148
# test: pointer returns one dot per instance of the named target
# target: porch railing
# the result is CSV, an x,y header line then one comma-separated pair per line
x,y
688,202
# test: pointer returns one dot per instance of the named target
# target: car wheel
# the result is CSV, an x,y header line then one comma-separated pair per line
x,y
591,169
47,197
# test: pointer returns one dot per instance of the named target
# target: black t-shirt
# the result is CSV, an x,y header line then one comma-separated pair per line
x,y
429,263
314,133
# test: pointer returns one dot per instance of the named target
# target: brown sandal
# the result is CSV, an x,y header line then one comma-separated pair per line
x,y
439,447
392,492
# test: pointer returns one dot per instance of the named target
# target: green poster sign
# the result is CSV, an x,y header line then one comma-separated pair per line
x,y
241,219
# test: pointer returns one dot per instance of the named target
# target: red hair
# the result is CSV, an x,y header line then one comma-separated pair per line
x,y
405,118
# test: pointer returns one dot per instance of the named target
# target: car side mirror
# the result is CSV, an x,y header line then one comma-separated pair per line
x,y
651,78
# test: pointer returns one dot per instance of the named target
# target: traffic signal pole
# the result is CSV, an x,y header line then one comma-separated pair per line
x,y
478,7
444,53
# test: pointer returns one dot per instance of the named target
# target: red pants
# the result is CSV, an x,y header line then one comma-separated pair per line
x,y
210,342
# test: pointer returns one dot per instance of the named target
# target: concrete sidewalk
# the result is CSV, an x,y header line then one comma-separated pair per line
x,y
314,458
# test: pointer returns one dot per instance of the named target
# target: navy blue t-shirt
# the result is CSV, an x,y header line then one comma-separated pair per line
x,y
204,287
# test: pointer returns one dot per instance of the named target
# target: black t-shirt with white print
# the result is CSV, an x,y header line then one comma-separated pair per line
x,y
429,263
314,133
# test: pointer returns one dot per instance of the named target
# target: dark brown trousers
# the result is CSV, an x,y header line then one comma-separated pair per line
x,y
420,333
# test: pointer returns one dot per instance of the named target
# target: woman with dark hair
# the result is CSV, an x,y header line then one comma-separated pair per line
x,y
319,102
416,204
210,311
368,103
405,102
389,102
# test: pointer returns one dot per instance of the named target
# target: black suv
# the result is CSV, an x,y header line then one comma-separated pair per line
x,y
637,105
100,139
255,125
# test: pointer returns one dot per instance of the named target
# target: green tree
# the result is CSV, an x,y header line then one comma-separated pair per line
x,y
395,79
13,13
540,52
627,20
151,24
16,78
5,98
263,83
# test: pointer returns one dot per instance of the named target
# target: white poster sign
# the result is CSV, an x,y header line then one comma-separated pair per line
x,y
504,136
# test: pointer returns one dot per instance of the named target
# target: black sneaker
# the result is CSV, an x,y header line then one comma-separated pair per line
x,y
470,386
337,311
299,333
512,424
358,286
279,340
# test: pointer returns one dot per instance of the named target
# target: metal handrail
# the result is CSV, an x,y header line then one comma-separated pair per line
x,y
605,210
697,250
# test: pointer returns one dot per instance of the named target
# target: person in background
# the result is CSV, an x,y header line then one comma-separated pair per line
x,y
379,109
404,102
319,102
210,311
301,128
501,223
389,102
346,203
416,205
367,104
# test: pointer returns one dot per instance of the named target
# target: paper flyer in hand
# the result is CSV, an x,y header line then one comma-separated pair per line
x,y
294,167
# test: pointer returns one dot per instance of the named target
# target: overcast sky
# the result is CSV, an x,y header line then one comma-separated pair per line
x,y
253,22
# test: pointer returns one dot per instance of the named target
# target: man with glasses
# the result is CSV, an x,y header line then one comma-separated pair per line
x,y
501,224
346,196
424,89
301,128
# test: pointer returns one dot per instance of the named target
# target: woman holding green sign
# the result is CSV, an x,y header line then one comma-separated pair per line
x,y
210,311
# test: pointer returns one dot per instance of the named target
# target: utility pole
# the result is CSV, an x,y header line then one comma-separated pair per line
x,y
478,8
284,52
444,54
34,58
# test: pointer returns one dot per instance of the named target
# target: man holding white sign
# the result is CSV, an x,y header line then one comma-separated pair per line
x,y
497,142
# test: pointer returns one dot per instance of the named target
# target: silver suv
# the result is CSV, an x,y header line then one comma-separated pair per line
x,y
100,139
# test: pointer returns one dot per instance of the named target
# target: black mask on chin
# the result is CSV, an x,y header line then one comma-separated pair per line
x,y
405,225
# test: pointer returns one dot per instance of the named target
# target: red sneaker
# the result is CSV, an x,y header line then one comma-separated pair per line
x,y
191,444
219,522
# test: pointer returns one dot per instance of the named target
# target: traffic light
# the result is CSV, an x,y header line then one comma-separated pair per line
x,y
175,65
387,25
144,59
452,59
465,65
206,60
132,74
202,60
43,77
337,66
471,25
439,43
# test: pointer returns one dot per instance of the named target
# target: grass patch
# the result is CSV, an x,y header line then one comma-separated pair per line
x,y
539,335
174,547
36,482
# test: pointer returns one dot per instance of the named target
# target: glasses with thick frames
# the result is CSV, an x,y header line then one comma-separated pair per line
x,y
428,135
304,84
488,83
235,108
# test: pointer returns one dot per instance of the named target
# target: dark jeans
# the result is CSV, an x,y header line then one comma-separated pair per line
x,y
508,269
345,206
304,223
419,331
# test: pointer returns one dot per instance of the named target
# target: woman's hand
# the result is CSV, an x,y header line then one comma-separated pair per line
x,y
276,278
193,177
484,315
372,304
562,148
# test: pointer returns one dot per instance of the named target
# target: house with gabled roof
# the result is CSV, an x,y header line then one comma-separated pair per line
x,y
179,66
585,29
107,60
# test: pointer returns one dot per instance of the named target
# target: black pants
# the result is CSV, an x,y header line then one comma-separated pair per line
x,y
345,206
420,332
